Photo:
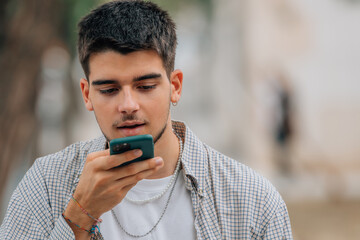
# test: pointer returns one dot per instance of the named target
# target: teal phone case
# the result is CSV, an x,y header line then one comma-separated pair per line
x,y
143,142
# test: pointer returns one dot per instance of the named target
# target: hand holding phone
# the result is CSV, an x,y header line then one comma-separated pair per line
x,y
143,142
103,185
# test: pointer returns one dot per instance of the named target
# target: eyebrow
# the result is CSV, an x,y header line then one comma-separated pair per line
x,y
147,76
136,79
102,82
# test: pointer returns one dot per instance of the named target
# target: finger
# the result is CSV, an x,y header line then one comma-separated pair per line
x,y
137,167
115,160
126,189
133,179
123,191
94,155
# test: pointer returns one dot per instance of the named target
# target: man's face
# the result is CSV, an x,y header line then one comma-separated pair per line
x,y
130,94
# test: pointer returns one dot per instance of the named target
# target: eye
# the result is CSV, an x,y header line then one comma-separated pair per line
x,y
146,87
109,91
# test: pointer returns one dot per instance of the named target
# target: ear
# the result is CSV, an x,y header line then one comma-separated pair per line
x,y
176,80
84,85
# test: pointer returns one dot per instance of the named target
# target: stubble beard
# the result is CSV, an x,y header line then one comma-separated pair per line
x,y
159,135
156,138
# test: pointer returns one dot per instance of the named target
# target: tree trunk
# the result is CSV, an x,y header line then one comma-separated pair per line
x,y
28,32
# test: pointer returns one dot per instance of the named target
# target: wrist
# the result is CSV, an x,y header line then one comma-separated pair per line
x,y
76,215
93,230
97,220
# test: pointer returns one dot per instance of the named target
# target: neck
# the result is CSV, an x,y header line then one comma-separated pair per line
x,y
167,147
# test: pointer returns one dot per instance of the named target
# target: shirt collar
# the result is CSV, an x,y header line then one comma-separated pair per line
x,y
194,158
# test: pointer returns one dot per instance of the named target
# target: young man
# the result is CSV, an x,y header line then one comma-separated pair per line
x,y
188,191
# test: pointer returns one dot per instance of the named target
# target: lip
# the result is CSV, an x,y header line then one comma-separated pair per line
x,y
127,128
129,124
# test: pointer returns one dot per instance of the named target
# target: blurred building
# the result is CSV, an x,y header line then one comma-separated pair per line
x,y
311,49
275,85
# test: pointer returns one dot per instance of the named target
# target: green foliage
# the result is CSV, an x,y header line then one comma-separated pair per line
x,y
173,6
74,10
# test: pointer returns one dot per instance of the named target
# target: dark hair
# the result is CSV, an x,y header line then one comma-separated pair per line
x,y
127,26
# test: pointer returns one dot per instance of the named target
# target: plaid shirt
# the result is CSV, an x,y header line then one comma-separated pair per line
x,y
230,200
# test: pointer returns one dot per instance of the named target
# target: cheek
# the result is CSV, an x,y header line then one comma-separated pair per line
x,y
104,111
161,103
103,104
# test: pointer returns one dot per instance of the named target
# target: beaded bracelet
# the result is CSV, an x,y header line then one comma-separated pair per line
x,y
98,220
94,228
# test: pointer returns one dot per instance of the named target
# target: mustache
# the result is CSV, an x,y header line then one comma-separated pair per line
x,y
128,117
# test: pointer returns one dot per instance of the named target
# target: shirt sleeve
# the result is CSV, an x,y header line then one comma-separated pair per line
x,y
279,225
30,214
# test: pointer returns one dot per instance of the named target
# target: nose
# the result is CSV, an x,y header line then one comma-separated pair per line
x,y
127,103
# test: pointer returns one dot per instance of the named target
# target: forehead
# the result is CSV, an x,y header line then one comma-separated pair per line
x,y
114,65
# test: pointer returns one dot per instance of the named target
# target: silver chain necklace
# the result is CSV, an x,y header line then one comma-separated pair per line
x,y
167,202
142,201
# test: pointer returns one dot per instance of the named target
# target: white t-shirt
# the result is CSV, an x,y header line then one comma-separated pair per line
x,y
137,219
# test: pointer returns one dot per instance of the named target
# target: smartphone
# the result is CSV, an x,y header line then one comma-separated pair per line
x,y
143,142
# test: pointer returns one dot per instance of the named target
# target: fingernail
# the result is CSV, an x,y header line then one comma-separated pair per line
x,y
158,161
138,152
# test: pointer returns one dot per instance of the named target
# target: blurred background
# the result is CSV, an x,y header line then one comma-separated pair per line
x,y
274,84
